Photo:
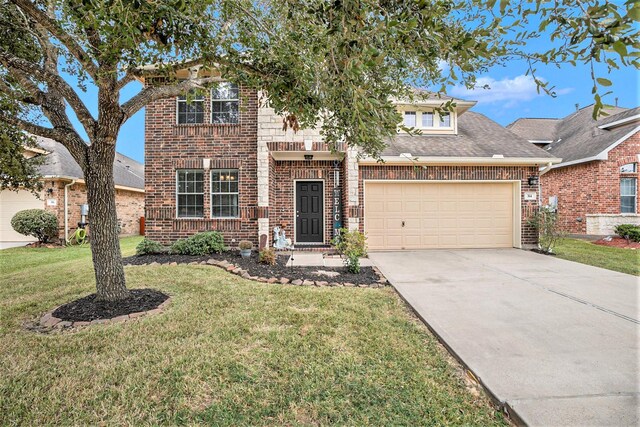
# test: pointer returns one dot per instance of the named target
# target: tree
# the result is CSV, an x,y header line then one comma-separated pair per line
x,y
332,63
19,172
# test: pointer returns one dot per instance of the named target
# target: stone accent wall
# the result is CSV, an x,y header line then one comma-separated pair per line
x,y
601,224
454,173
282,210
169,147
129,206
591,189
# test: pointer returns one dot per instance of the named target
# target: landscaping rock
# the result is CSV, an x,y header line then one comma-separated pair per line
x,y
272,280
120,318
138,314
262,279
80,324
173,263
322,283
308,283
335,284
154,311
203,263
212,261
63,324
349,285
153,264
246,275
284,280
51,322
231,267
237,271
297,282
100,321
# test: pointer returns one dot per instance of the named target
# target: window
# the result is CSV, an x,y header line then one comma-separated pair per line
x,y
629,168
410,119
191,112
190,192
224,104
224,193
427,119
445,120
628,192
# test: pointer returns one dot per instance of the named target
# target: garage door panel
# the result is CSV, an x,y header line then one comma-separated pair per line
x,y
12,202
439,215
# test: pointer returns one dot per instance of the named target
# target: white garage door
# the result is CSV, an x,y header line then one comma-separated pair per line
x,y
10,203
421,215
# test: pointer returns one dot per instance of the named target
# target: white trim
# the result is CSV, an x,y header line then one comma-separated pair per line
x,y
540,141
211,193
82,181
603,155
517,198
324,219
176,187
620,122
506,161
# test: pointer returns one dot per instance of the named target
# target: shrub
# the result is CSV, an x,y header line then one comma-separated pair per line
x,y
628,231
38,223
267,256
205,243
352,246
147,247
545,221
245,244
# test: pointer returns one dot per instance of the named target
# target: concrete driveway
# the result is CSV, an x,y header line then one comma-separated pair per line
x,y
555,341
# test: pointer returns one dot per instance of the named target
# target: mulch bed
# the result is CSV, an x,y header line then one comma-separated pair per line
x,y
367,275
88,308
618,242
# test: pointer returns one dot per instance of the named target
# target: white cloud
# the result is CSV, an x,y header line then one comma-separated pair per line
x,y
507,91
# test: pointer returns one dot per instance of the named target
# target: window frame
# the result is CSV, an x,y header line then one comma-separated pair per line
x,y
433,119
213,194
178,101
441,120
634,166
413,113
178,193
236,100
633,196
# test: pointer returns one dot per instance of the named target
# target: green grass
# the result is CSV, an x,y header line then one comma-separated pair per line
x,y
226,352
617,259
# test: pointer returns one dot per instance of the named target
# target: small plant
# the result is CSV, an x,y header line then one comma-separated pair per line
x,y
205,243
628,232
267,256
245,245
545,221
38,223
352,246
149,247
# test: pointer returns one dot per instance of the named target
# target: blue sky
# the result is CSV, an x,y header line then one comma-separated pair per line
x,y
512,95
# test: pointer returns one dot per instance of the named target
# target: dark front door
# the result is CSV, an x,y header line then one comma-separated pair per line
x,y
309,212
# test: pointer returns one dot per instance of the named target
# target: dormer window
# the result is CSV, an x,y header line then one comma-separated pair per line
x,y
445,120
225,103
410,119
427,119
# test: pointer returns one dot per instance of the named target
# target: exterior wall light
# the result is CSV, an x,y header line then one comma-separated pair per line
x,y
308,156
533,180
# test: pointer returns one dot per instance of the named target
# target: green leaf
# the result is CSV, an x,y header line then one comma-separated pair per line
x,y
603,82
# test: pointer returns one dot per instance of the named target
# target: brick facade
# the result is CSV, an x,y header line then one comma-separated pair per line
x,y
587,191
129,206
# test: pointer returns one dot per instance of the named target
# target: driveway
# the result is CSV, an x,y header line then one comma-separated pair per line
x,y
555,341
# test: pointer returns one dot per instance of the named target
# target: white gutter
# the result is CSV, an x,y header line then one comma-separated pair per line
x,y
81,181
545,169
66,210
403,160
620,122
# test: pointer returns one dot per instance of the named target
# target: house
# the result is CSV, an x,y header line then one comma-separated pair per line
x,y
222,161
64,192
595,187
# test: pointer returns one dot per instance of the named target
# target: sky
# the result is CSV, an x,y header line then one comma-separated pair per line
x,y
512,95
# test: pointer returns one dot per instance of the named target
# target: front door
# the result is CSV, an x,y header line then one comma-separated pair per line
x,y
309,212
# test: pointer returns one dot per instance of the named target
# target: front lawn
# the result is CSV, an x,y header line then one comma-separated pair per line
x,y
226,352
617,259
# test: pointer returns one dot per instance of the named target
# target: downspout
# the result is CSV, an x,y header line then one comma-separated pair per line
x,y
66,209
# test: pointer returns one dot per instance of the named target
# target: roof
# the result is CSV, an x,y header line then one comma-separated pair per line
x,y
59,163
478,136
577,138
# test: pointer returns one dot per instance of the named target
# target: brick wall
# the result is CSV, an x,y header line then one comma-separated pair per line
x,y
590,188
169,146
450,173
129,206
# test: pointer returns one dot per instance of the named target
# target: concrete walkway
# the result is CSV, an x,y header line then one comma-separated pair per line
x,y
318,259
555,341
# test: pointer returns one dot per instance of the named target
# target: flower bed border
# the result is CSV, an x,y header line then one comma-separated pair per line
x,y
233,269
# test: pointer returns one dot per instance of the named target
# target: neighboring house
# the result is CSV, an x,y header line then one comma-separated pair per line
x,y
64,192
595,187
223,162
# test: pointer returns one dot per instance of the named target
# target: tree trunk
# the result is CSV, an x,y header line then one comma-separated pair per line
x,y
103,223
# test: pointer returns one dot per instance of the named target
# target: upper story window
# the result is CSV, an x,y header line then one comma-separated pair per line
x,y
224,193
225,103
629,168
410,119
427,119
445,120
191,109
190,193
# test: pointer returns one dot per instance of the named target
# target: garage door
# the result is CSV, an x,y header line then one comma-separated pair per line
x,y
420,215
10,203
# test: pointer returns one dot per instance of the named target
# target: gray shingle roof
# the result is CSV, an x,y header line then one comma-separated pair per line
x,y
59,163
576,136
478,136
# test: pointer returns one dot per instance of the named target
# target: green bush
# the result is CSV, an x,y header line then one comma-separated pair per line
x,y
205,243
352,245
267,256
38,223
148,247
628,231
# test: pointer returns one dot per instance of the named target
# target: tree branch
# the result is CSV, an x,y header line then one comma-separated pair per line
x,y
52,27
